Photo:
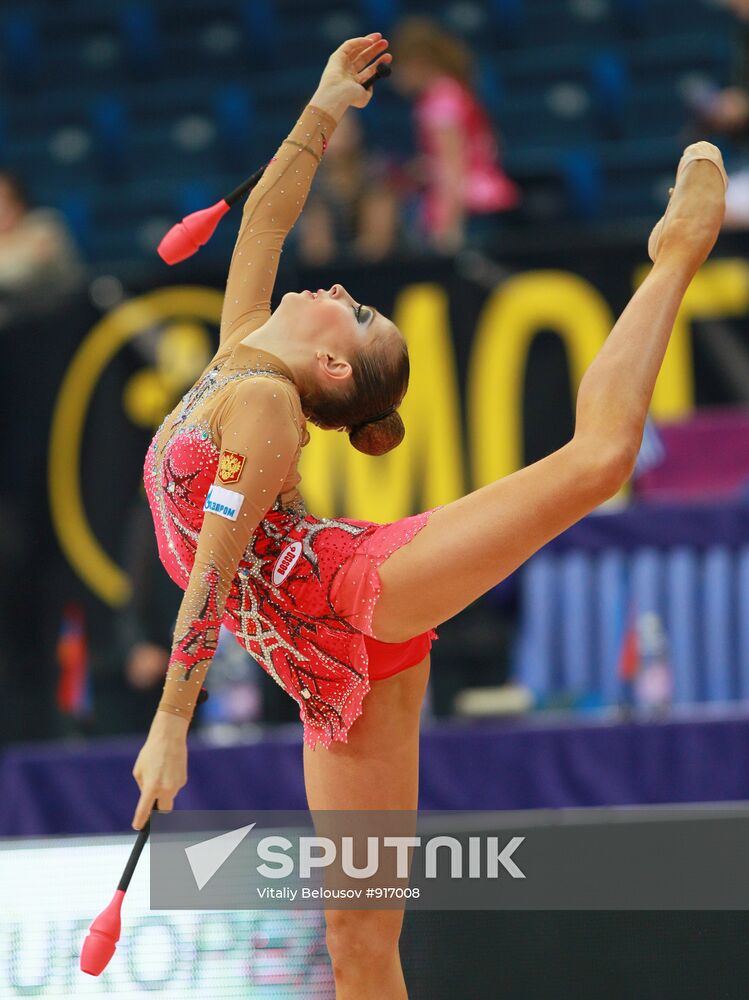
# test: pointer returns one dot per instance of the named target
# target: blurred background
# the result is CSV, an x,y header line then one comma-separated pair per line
x,y
495,199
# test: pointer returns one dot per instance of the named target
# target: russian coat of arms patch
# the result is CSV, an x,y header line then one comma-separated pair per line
x,y
230,466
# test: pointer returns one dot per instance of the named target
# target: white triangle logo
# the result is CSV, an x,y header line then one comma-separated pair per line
x,y
207,857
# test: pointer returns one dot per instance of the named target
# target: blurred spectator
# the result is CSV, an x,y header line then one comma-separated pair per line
x,y
39,261
464,186
353,208
130,678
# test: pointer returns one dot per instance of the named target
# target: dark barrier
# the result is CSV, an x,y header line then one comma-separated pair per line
x,y
575,956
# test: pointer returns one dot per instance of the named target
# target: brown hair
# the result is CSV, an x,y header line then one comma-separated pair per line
x,y
423,38
368,410
18,188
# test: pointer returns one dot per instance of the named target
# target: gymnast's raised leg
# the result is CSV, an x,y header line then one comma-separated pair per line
x,y
468,546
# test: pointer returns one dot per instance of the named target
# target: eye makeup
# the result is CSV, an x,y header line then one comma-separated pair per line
x,y
368,313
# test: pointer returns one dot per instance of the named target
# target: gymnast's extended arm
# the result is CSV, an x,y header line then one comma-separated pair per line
x,y
257,420
279,196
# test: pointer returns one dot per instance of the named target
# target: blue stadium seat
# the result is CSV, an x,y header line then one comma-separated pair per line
x,y
140,32
111,131
380,14
262,29
21,51
193,196
490,87
76,207
631,15
611,89
583,181
508,17
236,121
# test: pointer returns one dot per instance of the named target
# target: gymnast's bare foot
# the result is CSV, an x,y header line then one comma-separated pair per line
x,y
688,230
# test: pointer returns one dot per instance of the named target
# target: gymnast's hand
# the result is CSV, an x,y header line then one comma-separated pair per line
x,y
347,70
161,767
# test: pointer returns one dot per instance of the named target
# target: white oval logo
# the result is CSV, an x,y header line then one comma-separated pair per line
x,y
286,562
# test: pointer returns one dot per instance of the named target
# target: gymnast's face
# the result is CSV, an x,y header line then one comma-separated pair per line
x,y
336,326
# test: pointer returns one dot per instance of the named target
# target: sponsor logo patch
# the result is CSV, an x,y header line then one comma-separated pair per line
x,y
286,562
230,466
225,503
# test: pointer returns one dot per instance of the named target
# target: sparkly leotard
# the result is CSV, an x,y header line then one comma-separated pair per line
x,y
232,529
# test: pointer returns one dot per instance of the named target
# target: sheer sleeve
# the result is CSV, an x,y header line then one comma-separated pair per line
x,y
269,213
259,441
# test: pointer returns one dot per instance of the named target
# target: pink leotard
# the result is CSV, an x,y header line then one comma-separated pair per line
x,y
232,528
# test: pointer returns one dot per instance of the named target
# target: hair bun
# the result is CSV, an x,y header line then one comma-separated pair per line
x,y
378,436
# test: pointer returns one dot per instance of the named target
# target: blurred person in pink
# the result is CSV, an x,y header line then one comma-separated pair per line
x,y
724,111
459,166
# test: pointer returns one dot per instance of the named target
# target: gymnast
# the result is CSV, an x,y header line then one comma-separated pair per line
x,y
342,612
